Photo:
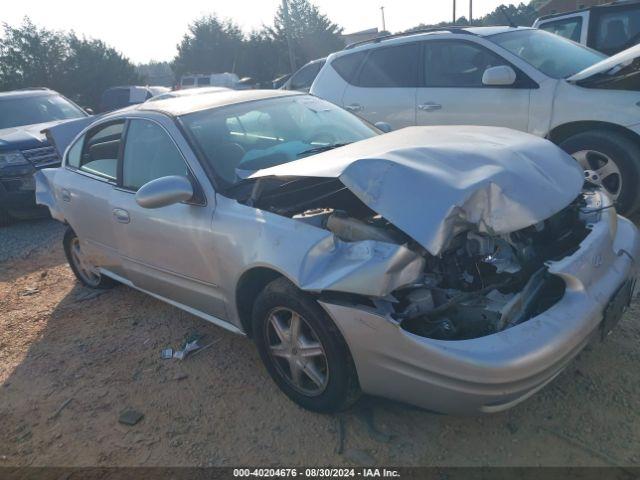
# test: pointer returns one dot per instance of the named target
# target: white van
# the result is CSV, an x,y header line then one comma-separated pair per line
x,y
228,80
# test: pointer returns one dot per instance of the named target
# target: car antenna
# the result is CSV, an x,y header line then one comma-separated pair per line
x,y
506,15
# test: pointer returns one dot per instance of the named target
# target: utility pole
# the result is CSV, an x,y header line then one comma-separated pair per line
x,y
384,25
454,12
470,11
287,31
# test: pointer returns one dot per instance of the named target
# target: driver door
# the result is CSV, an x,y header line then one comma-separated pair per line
x,y
166,251
453,92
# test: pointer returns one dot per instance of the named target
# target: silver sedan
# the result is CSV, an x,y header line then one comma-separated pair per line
x,y
456,268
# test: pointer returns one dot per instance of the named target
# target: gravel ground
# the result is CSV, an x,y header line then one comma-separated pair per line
x,y
71,362
23,238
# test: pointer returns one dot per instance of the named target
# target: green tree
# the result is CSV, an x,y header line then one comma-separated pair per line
x,y
260,57
79,68
31,57
91,67
312,34
211,45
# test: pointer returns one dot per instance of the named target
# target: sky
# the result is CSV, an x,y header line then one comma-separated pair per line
x,y
143,30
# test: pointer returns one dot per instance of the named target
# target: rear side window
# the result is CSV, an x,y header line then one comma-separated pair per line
x,y
457,64
617,30
347,65
391,67
149,154
101,149
305,76
570,28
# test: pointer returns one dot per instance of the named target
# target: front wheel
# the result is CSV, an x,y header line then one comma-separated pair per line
x,y
88,274
303,350
611,161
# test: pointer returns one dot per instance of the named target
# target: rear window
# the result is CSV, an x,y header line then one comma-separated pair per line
x,y
568,28
391,67
347,65
305,76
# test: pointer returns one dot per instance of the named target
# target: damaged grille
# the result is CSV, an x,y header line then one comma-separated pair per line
x,y
42,156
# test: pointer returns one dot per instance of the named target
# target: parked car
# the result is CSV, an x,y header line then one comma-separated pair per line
x,y
458,269
228,80
24,149
188,93
115,98
609,28
521,78
303,78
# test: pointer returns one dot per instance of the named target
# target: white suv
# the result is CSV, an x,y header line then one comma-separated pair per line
x,y
522,78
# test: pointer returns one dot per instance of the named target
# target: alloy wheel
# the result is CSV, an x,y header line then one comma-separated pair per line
x,y
297,352
89,272
600,170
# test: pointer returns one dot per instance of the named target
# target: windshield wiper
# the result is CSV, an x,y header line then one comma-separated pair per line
x,y
323,148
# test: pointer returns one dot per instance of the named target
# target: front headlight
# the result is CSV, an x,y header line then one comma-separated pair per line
x,y
12,158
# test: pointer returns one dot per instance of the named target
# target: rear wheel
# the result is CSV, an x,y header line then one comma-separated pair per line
x,y
610,160
303,350
88,274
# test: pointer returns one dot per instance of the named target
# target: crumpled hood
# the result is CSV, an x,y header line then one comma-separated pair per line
x,y
618,61
434,182
26,136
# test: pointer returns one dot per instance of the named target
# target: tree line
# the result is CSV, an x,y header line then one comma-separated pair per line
x,y
83,68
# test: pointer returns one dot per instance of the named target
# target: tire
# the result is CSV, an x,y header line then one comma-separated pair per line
x,y
594,148
335,387
5,218
81,270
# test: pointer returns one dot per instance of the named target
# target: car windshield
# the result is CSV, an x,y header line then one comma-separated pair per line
x,y
250,136
553,55
16,112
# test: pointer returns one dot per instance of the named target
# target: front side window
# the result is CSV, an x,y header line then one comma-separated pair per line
x,y
100,151
31,110
254,135
457,64
149,154
553,55
570,28
391,67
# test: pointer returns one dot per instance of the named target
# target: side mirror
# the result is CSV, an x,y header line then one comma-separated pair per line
x,y
383,126
89,110
164,191
499,76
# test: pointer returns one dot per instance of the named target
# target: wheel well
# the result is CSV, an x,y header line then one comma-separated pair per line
x,y
251,283
562,132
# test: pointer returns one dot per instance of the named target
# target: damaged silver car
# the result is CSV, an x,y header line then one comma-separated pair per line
x,y
459,269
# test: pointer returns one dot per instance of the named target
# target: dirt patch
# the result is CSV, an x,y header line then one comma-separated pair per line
x,y
71,363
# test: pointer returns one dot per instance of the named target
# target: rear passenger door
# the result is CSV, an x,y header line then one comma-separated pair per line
x,y
85,190
384,87
453,92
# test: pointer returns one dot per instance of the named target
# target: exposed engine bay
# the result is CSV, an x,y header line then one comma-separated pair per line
x,y
480,284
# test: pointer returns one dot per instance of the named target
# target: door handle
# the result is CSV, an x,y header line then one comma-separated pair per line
x,y
121,215
65,194
354,107
430,106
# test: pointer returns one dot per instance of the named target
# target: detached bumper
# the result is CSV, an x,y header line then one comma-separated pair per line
x,y
495,372
17,192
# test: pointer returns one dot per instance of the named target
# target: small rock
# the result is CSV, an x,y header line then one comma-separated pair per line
x,y
180,376
43,274
130,417
512,427
359,456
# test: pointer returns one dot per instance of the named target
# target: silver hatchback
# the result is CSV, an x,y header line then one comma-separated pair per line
x,y
456,268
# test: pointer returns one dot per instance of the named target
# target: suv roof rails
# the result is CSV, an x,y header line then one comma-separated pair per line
x,y
601,6
450,29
